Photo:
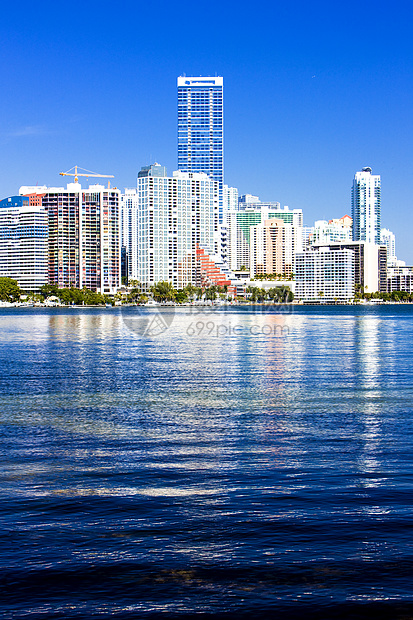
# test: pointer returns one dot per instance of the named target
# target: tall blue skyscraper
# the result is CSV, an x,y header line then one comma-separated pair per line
x,y
201,128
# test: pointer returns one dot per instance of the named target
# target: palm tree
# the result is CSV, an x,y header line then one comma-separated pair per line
x,y
191,291
211,293
163,291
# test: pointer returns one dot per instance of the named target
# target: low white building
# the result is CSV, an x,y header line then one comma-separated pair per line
x,y
370,273
324,275
400,279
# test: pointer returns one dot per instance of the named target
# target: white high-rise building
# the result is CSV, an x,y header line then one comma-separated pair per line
x,y
129,202
230,197
171,220
365,205
23,242
389,240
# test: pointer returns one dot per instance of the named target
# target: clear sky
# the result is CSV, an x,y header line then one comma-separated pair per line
x,y
313,91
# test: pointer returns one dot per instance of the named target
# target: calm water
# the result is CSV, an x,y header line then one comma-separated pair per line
x,y
237,464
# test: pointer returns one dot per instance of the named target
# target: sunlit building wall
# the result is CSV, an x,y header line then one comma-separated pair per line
x,y
129,203
365,206
333,231
239,224
273,245
201,129
230,196
83,235
389,240
175,216
325,275
23,242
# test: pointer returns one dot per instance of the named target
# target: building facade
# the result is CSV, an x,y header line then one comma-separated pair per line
x,y
240,222
273,245
333,231
230,197
370,265
201,129
23,243
83,235
174,218
389,240
248,200
129,237
365,206
400,279
324,275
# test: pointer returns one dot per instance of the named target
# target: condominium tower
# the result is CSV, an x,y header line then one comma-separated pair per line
x,y
201,129
23,242
239,228
388,239
273,246
166,223
365,204
83,235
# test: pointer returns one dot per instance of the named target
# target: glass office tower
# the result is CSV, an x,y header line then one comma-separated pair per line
x,y
201,129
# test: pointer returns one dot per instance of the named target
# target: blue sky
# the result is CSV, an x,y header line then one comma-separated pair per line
x,y
314,91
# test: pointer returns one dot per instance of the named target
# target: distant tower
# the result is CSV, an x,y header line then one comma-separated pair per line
x,y
201,129
365,203
388,239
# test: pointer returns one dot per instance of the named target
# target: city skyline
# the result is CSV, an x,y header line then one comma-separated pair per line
x,y
312,94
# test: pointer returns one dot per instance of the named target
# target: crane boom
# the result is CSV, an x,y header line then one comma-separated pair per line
x,y
87,173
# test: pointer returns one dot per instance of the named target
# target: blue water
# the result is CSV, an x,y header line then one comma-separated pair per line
x,y
237,463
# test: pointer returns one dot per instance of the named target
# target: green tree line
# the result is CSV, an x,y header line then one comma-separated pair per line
x,y
278,294
164,291
274,276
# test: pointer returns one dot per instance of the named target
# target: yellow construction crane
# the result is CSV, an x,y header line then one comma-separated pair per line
x,y
86,173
